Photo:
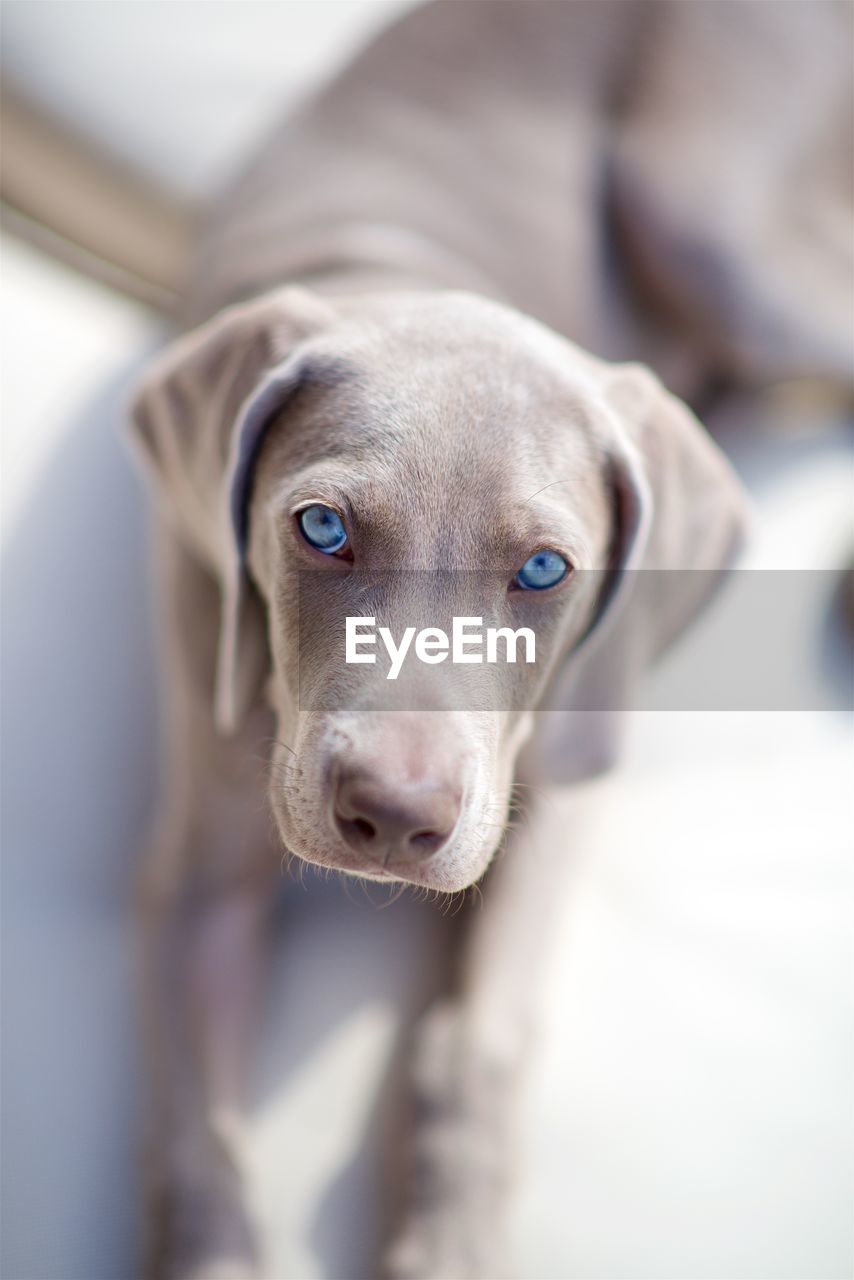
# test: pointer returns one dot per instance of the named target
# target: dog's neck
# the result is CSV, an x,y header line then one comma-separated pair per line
x,y
382,255
344,260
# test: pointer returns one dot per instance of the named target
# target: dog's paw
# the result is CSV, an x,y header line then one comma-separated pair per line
x,y
201,1234
459,1159
223,1269
439,1248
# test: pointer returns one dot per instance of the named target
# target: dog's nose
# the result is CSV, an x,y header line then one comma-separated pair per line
x,y
393,823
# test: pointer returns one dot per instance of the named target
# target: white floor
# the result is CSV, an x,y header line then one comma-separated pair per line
x,y
180,101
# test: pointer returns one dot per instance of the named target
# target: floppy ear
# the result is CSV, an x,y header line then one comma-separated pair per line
x,y
198,420
679,521
690,508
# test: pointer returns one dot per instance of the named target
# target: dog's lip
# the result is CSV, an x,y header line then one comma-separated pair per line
x,y
372,871
415,874
390,874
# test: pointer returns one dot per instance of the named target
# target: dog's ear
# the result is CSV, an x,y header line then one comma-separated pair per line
x,y
198,420
679,509
679,516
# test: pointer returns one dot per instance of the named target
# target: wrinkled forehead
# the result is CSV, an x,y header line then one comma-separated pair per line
x,y
451,427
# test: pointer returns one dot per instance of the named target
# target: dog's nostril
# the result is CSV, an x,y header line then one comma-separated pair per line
x,y
358,832
426,842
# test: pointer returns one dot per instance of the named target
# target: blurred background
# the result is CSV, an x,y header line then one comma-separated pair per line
x,y
689,1111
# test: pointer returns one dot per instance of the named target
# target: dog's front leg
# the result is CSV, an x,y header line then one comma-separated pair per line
x,y
469,1056
201,946
202,904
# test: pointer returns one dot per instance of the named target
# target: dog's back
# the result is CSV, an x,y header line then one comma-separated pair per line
x,y
622,171
465,145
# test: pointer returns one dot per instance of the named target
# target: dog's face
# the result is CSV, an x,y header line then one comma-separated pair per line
x,y
441,457
418,457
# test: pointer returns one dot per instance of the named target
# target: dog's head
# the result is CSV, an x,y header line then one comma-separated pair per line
x,y
413,458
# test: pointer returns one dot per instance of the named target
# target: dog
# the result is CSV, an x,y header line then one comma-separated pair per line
x,y
398,372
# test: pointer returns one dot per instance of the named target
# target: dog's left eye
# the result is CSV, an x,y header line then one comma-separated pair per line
x,y
323,528
544,569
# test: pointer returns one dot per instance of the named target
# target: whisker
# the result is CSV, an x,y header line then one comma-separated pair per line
x,y
395,896
346,883
538,791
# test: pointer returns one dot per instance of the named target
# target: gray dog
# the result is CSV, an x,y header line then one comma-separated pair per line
x,y
377,382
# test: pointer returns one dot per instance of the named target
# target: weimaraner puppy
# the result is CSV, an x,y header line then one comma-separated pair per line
x,y
383,391
423,430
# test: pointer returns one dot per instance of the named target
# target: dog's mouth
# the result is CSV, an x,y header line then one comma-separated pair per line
x,y
398,797
448,870
443,875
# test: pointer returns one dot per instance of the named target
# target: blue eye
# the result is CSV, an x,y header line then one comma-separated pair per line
x,y
323,528
545,569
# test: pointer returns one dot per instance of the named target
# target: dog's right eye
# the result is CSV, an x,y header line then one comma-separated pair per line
x,y
323,528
